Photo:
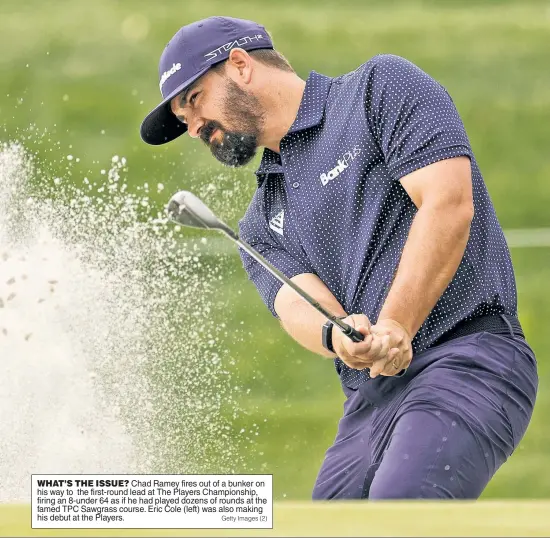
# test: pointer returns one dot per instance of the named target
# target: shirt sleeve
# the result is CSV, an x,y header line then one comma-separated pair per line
x,y
254,231
412,116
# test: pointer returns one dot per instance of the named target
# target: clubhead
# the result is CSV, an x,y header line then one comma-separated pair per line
x,y
186,209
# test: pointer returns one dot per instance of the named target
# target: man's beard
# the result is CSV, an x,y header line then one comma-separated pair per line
x,y
237,147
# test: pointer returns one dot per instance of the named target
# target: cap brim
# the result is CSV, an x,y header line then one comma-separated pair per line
x,y
161,126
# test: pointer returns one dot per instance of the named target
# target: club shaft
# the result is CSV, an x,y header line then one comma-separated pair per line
x,y
179,208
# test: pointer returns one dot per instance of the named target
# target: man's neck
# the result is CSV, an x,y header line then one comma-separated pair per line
x,y
282,99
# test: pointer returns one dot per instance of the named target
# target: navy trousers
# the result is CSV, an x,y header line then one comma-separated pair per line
x,y
440,431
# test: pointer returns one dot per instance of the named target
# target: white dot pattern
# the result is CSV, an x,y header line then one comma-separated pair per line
x,y
346,215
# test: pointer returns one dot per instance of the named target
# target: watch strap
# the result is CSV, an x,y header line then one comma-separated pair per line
x,y
327,335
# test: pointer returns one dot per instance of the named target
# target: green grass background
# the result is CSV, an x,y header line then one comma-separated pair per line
x,y
351,518
87,72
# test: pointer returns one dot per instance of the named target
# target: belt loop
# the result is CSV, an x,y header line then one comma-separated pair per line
x,y
508,324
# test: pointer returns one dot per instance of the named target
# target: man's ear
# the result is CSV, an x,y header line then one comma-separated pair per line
x,y
239,66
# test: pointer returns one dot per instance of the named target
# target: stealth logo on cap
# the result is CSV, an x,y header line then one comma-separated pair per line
x,y
237,43
167,74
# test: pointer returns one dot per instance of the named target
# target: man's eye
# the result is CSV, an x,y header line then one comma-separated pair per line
x,y
193,98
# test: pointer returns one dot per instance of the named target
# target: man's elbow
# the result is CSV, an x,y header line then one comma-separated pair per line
x,y
457,210
464,214
455,216
461,219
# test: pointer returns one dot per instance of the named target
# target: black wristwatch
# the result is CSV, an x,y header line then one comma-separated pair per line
x,y
327,335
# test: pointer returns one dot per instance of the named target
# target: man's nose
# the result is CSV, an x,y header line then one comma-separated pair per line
x,y
194,127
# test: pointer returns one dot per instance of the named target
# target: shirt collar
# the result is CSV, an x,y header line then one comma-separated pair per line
x,y
310,113
312,106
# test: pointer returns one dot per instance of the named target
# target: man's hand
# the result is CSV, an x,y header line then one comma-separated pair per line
x,y
359,355
400,348
386,349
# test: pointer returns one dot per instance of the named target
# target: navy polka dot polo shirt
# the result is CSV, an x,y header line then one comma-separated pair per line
x,y
331,202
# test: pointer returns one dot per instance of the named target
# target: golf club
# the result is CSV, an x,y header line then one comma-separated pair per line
x,y
186,209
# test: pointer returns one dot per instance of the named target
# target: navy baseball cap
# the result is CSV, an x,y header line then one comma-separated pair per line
x,y
190,54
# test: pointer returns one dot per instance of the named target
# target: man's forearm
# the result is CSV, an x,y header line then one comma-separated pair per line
x,y
305,324
431,256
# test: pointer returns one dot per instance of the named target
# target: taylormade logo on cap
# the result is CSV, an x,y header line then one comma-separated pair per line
x,y
167,74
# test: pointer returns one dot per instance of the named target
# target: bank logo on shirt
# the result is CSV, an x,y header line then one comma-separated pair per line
x,y
276,223
343,163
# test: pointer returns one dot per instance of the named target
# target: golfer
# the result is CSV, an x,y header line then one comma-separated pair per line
x,y
370,198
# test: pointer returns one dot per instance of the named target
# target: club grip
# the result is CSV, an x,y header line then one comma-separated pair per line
x,y
354,335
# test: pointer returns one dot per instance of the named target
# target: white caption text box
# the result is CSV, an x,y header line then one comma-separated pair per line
x,y
152,501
